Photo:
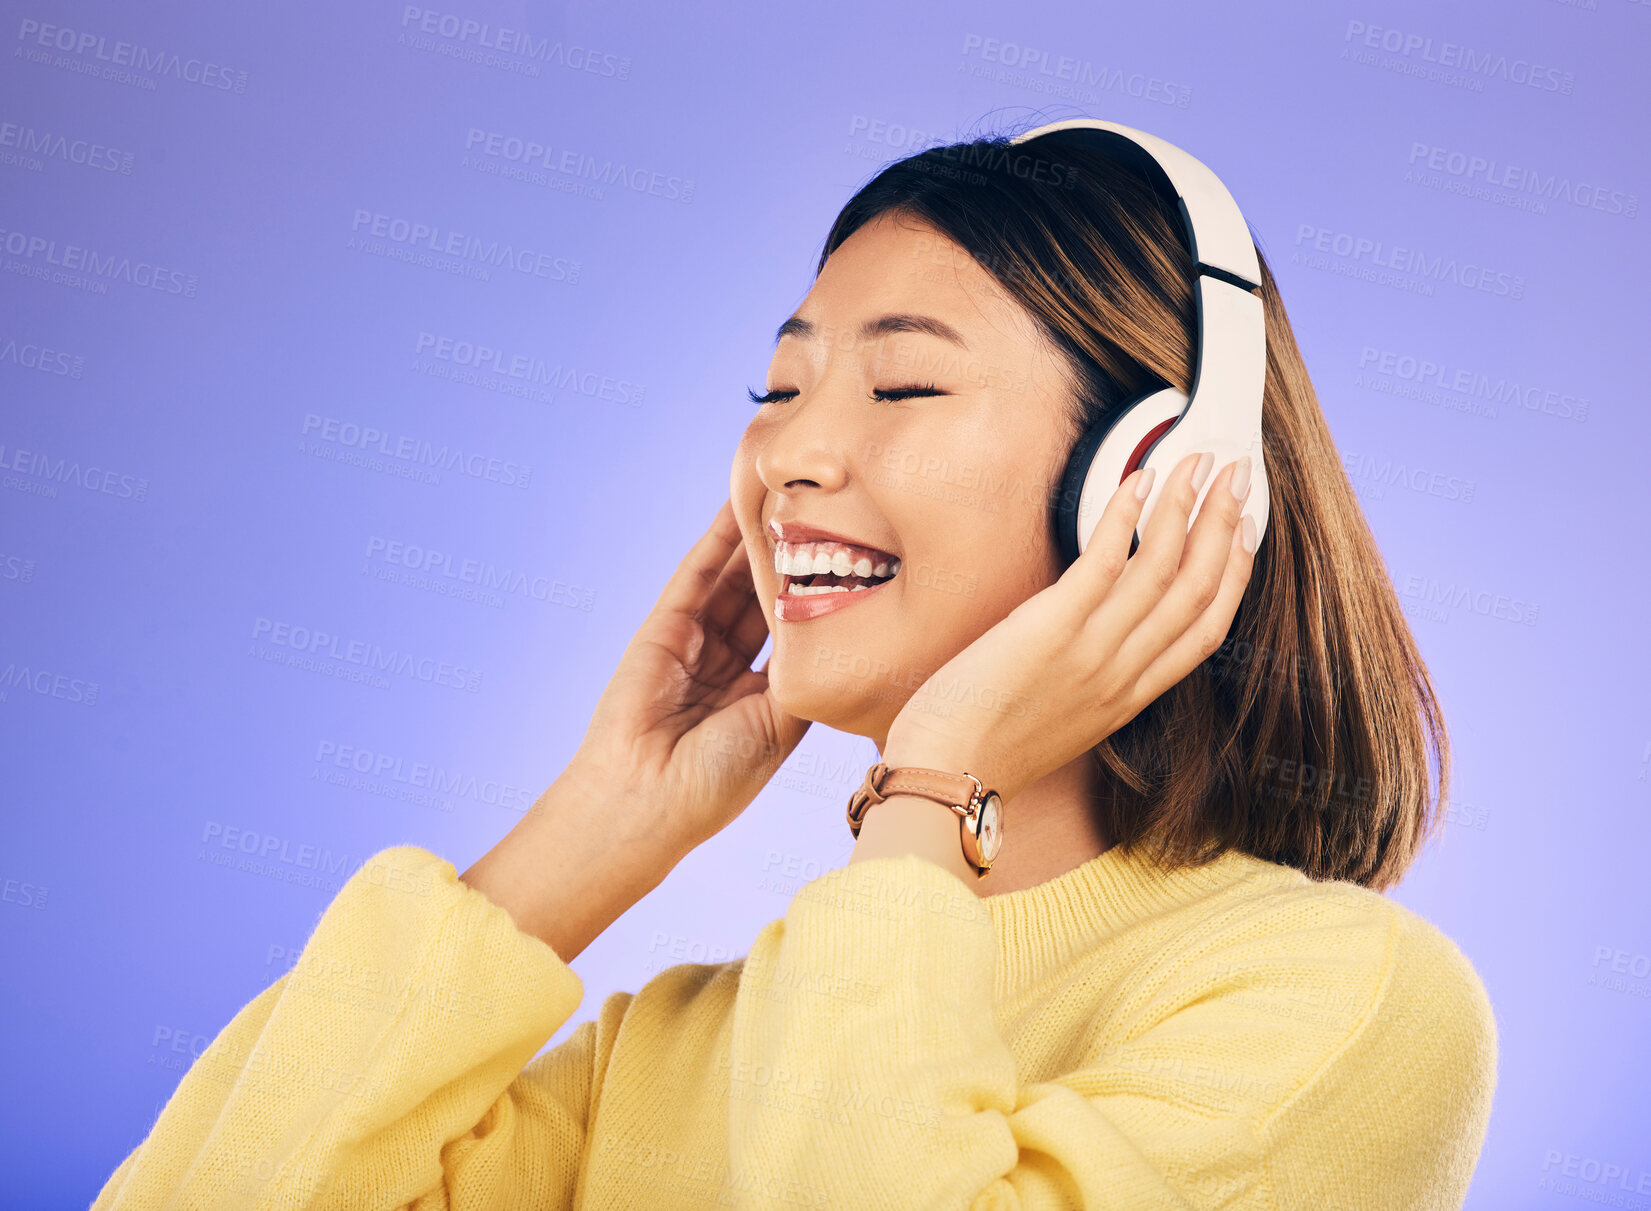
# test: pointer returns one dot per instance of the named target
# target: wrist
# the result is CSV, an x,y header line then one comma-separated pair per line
x,y
926,751
949,756
584,793
573,864
912,824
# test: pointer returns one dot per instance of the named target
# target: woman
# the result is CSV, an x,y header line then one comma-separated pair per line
x,y
1178,985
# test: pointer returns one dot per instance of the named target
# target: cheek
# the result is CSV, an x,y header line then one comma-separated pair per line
x,y
955,581
986,565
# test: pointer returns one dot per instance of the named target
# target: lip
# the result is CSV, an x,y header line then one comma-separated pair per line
x,y
788,608
797,531
801,609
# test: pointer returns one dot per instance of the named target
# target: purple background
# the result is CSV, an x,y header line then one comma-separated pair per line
x,y
1505,481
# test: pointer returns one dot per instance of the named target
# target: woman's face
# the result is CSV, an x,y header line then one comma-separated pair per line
x,y
955,484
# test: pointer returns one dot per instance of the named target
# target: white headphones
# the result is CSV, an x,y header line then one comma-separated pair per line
x,y
1223,412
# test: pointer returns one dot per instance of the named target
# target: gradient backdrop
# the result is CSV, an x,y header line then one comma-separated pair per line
x,y
315,320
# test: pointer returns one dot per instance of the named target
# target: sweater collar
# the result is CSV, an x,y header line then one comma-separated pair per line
x,y
1041,928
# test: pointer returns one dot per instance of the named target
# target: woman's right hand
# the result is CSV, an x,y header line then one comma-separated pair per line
x,y
686,732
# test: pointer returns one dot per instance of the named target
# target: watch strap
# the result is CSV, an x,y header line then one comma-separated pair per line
x,y
960,792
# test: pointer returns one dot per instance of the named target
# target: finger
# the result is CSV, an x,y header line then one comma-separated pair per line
x,y
750,632
691,585
735,616
1211,628
733,592
1151,570
1102,561
1204,561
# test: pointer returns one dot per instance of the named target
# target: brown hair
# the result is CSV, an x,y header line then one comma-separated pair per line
x,y
1306,738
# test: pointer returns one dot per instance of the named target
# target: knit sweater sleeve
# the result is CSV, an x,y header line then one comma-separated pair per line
x,y
867,1061
387,1068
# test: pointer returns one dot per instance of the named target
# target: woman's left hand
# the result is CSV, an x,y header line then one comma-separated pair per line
x,y
1075,662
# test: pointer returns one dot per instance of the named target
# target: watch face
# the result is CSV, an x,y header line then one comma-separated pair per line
x,y
991,826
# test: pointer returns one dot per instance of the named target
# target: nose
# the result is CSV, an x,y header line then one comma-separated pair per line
x,y
807,448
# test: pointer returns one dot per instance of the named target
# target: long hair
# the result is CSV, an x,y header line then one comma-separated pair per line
x,y
1311,737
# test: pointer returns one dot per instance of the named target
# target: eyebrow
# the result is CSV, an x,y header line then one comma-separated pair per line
x,y
882,326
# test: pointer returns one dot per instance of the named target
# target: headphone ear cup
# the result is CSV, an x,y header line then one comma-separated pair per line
x,y
1101,460
1073,480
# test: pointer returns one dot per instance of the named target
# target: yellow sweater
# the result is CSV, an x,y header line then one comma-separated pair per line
x,y
1232,1036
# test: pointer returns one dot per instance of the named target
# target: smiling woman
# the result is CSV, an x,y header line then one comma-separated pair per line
x,y
1157,972
1022,307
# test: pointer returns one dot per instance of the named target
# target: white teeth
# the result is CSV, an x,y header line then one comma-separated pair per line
x,y
805,590
798,564
817,558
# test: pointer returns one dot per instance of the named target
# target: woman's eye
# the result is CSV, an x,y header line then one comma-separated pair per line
x,y
887,395
895,394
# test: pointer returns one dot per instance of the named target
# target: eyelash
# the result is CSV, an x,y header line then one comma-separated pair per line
x,y
890,396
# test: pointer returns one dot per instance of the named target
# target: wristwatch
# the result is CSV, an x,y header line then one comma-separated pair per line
x,y
980,811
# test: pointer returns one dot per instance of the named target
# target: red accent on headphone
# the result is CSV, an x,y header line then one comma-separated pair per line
x,y
1145,444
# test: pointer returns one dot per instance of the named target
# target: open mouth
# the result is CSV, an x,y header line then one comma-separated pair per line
x,y
810,568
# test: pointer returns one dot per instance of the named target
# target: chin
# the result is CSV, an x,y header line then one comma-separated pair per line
x,y
840,701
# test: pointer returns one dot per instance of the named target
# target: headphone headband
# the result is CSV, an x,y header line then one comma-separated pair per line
x,y
1216,233
1222,410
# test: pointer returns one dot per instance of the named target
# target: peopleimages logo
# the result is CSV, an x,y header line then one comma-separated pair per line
x,y
1379,255
314,643
1469,384
470,39
429,568
41,358
417,453
1471,169
420,775
47,476
16,567
896,136
406,239
71,261
486,360
34,34
1629,1178
46,684
566,162
1062,75
27,141
1480,64
1429,591
1383,472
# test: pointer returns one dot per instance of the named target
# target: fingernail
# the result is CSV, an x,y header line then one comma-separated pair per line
x,y
1240,482
1246,534
1144,484
1201,472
